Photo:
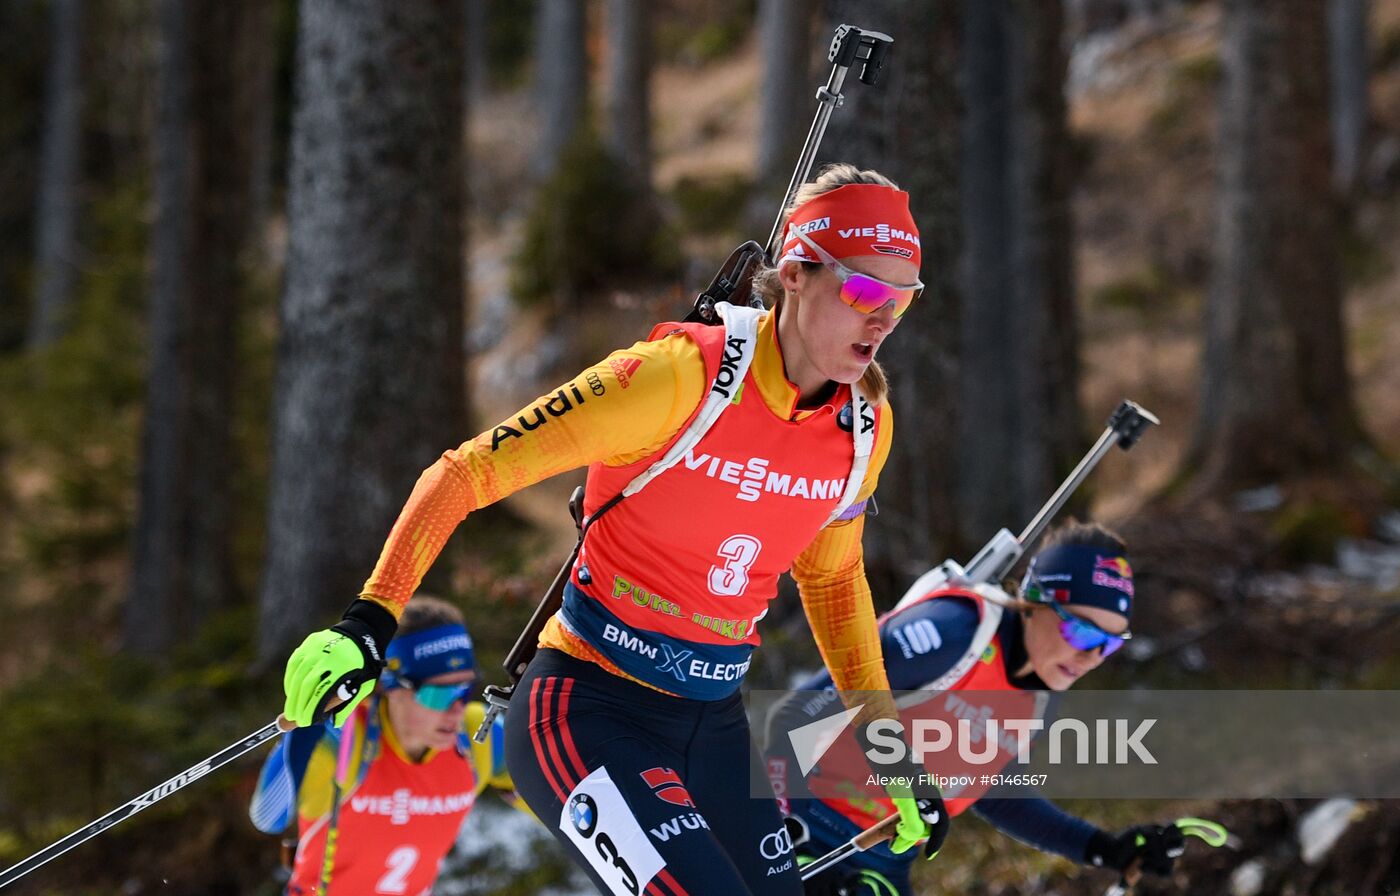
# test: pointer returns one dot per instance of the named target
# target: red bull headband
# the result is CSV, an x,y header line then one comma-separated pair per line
x,y
854,220
1078,574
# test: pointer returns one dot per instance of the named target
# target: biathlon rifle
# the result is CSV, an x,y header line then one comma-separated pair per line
x,y
991,565
851,46
999,555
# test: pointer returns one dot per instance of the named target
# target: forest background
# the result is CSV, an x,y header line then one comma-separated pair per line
x,y
260,263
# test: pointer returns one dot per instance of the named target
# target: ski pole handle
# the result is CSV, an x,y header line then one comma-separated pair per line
x,y
1212,833
1131,875
876,834
333,699
872,836
497,702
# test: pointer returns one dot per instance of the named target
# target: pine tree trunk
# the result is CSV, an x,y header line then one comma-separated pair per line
x,y
628,134
1349,59
1020,424
908,128
1275,400
1044,262
370,382
182,569
989,449
478,50
786,92
257,65
561,78
56,216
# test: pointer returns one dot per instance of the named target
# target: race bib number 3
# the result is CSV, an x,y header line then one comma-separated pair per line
x,y
738,553
596,820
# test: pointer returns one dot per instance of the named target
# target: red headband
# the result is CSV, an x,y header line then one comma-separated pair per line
x,y
857,219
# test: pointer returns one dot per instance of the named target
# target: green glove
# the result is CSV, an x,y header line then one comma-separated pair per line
x,y
919,820
911,829
338,664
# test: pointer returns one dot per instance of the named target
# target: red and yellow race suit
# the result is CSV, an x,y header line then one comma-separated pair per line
x,y
616,417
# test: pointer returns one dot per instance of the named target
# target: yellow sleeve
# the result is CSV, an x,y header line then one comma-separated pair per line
x,y
830,576
617,411
314,795
488,759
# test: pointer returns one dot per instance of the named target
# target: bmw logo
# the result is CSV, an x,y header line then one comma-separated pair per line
x,y
844,419
583,812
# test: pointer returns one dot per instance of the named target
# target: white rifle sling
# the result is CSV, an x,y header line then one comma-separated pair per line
x,y
864,438
741,323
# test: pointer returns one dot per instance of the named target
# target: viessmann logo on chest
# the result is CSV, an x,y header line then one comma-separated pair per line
x,y
403,804
754,478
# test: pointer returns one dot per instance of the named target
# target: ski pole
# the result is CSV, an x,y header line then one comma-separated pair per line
x,y
342,767
872,836
1212,833
149,798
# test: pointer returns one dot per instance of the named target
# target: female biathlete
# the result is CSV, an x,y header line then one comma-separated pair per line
x,y
1078,596
743,451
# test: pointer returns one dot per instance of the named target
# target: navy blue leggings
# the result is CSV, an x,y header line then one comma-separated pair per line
x,y
648,793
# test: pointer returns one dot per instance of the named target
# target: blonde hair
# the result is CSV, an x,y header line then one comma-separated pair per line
x,y
873,383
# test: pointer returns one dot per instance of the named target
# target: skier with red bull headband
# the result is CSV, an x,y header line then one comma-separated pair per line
x,y
1076,601
741,452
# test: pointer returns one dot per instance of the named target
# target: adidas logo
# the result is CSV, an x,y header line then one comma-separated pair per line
x,y
625,369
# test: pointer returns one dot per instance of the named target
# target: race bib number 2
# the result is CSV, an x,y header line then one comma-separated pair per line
x,y
400,865
596,820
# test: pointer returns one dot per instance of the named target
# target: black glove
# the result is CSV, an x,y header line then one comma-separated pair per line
x,y
936,814
371,627
1154,846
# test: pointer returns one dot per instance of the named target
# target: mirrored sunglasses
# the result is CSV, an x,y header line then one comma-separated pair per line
x,y
437,697
1078,632
863,292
